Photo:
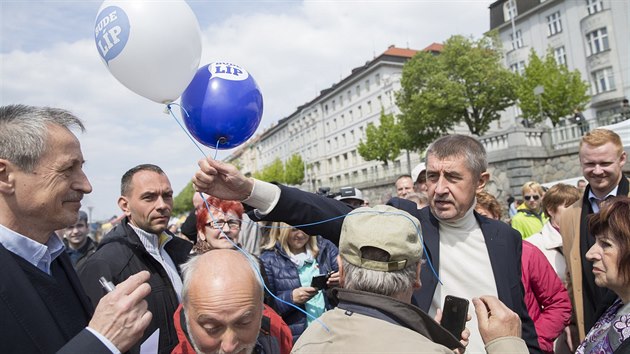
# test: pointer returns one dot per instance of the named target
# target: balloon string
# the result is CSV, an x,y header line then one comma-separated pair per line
x,y
168,106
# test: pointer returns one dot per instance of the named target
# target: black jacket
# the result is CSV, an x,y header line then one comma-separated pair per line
x,y
120,255
27,326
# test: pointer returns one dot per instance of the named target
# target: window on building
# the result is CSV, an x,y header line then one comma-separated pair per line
x,y
518,68
594,6
360,111
349,96
597,41
367,85
358,90
560,55
604,80
369,104
326,109
517,39
341,100
509,10
378,79
554,24
334,105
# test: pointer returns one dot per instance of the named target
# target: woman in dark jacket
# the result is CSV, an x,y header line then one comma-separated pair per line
x,y
291,258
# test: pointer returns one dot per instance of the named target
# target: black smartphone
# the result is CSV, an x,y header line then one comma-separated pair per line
x,y
319,281
454,315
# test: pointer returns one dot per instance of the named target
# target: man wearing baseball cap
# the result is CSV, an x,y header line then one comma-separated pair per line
x,y
378,276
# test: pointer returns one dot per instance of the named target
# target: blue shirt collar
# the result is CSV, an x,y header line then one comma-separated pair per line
x,y
593,199
39,255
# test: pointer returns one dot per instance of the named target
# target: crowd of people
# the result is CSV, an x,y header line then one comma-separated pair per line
x,y
267,268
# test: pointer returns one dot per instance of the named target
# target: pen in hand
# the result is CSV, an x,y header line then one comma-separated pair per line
x,y
106,284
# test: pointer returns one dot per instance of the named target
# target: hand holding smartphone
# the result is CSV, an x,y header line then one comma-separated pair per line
x,y
454,315
319,281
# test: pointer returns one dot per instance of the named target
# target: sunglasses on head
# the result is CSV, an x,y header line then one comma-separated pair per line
x,y
535,197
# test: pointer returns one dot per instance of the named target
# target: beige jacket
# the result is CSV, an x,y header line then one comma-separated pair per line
x,y
570,231
347,331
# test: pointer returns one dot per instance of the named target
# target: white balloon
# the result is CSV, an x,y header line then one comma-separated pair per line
x,y
152,47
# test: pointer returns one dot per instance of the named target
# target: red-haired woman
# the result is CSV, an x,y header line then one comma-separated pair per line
x,y
224,215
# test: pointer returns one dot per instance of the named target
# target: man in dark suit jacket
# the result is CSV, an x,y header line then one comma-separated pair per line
x,y
43,308
483,255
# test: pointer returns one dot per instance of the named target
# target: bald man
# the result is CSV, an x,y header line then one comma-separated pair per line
x,y
223,304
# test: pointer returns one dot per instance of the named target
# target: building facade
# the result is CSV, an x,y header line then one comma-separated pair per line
x,y
326,131
588,35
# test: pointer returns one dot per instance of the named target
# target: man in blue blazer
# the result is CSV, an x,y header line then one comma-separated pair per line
x,y
43,308
468,255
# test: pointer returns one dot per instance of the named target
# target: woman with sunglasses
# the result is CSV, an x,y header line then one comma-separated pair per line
x,y
610,256
291,259
530,218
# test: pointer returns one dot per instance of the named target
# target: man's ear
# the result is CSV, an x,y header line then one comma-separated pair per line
x,y
483,179
340,265
123,204
7,178
417,284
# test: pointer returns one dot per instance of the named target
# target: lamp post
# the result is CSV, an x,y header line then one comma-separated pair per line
x,y
90,208
538,91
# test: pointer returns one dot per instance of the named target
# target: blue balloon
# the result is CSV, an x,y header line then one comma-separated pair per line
x,y
224,105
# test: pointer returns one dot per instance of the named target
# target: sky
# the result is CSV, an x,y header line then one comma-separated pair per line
x,y
293,49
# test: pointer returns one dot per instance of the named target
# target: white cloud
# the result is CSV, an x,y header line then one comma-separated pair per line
x,y
292,54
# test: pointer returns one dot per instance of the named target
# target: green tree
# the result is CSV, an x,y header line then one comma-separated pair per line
x,y
564,90
465,83
382,143
273,172
182,203
294,170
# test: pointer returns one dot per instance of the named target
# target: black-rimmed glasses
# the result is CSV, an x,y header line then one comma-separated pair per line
x,y
535,197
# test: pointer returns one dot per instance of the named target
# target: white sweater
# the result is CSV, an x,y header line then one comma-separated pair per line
x,y
465,270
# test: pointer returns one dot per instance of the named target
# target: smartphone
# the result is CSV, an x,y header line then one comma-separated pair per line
x,y
319,281
454,315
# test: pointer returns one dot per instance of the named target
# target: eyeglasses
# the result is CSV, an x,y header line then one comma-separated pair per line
x,y
535,197
232,223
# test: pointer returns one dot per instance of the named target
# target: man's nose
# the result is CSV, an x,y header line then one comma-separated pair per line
x,y
83,184
229,342
441,185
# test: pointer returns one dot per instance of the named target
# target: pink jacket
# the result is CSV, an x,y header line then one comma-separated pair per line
x,y
546,298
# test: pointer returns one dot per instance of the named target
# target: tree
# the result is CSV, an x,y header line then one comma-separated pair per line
x,y
383,142
182,203
465,83
272,173
294,170
564,90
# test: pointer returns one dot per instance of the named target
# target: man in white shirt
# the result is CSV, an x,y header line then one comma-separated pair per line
x,y
602,158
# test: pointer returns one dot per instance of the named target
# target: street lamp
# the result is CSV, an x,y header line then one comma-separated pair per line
x,y
538,91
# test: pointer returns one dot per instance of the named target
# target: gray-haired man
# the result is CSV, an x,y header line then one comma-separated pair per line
x,y
378,277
